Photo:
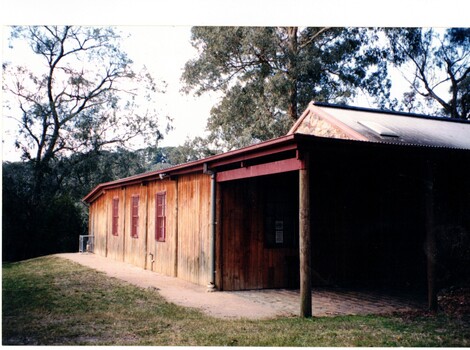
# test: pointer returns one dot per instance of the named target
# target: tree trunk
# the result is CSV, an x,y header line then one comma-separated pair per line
x,y
292,72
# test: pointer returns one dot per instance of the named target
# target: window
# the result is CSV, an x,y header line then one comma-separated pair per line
x,y
115,216
160,217
135,216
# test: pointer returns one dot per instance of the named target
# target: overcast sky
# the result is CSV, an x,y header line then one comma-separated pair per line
x,y
164,50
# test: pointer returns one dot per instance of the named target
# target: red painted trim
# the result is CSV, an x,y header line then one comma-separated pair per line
x,y
280,166
254,155
135,201
160,216
115,220
95,194
261,149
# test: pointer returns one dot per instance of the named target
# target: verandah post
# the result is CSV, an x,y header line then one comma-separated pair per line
x,y
304,238
430,237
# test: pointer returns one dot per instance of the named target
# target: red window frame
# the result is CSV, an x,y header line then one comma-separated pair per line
x,y
160,216
115,216
135,216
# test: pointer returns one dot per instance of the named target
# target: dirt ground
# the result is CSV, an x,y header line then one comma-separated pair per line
x,y
262,304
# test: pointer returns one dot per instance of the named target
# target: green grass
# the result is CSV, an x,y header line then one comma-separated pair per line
x,y
52,301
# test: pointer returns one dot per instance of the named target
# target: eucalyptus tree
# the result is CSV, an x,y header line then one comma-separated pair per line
x,y
267,74
436,64
82,96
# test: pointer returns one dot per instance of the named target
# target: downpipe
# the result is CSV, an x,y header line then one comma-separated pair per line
x,y
211,285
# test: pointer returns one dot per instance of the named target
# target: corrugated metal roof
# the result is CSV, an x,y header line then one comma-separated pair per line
x,y
399,128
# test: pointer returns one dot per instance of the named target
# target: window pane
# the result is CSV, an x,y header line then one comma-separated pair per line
x,y
160,218
115,216
135,216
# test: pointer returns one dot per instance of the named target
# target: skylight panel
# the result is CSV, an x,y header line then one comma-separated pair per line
x,y
378,128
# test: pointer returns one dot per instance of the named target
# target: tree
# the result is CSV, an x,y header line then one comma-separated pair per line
x,y
85,171
267,74
85,98
171,156
75,104
52,224
34,229
436,64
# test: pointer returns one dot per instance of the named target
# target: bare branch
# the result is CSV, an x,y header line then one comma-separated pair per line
x,y
313,37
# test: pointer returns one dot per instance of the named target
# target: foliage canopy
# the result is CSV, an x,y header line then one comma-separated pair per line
x,y
83,97
267,74
436,64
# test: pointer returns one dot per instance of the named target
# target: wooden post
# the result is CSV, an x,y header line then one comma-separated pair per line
x,y
304,239
430,237
211,285
218,238
175,269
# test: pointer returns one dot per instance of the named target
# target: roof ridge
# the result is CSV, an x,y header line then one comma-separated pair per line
x,y
386,111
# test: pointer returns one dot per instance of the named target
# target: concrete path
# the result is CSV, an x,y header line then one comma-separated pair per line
x,y
259,304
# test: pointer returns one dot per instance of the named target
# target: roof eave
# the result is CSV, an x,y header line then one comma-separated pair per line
x,y
263,148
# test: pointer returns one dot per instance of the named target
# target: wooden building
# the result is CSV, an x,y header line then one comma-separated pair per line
x,y
348,197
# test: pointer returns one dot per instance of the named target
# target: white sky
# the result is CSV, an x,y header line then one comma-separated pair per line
x,y
164,50
161,33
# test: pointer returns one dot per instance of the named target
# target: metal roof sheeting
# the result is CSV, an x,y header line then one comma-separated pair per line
x,y
401,128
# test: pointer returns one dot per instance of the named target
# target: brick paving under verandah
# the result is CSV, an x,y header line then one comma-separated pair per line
x,y
256,304
337,301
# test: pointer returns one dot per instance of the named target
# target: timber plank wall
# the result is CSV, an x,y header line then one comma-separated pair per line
x,y
247,261
194,228
185,251
98,225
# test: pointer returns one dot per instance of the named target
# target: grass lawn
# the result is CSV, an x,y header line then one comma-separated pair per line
x,y
52,301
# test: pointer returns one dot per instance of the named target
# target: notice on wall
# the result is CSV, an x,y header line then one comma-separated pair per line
x,y
279,227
